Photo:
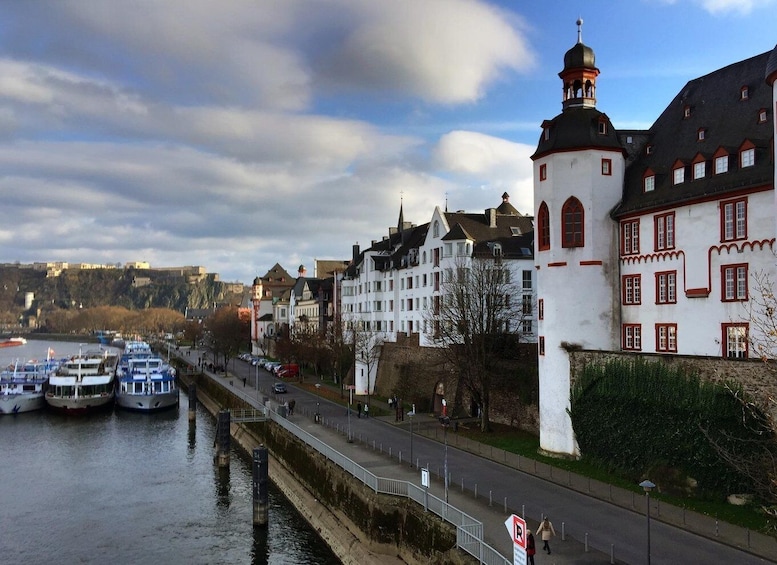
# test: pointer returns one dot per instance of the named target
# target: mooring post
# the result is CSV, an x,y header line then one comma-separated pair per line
x,y
222,439
261,474
192,401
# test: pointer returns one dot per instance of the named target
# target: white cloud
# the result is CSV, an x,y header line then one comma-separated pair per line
x,y
489,163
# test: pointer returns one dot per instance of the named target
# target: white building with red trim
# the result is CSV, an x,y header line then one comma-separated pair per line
x,y
648,241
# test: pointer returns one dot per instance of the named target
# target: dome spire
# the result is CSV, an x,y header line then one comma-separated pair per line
x,y
579,74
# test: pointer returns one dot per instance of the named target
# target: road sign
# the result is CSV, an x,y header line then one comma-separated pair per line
x,y
516,527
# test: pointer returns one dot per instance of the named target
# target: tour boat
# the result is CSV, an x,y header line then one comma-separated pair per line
x,y
83,383
146,383
13,342
23,385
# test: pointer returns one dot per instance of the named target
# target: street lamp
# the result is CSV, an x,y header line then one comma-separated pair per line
x,y
647,486
445,421
411,414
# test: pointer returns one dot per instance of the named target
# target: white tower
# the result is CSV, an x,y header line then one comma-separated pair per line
x,y
578,178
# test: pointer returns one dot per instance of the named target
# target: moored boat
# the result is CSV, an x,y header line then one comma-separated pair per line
x,y
23,386
83,383
13,342
146,384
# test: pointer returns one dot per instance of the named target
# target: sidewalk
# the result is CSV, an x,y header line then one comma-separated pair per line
x,y
489,485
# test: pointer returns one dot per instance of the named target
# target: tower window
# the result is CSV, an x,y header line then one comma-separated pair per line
x,y
543,227
602,127
543,172
607,167
573,218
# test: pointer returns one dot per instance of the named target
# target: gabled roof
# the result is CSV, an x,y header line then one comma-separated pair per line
x,y
712,103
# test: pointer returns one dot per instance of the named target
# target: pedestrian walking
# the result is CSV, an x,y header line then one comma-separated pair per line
x,y
244,381
359,409
292,404
366,410
546,532
531,548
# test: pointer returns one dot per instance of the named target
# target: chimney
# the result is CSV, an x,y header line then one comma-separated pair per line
x,y
355,251
491,217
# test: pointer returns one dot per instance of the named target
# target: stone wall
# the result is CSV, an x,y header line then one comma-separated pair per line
x,y
360,526
758,379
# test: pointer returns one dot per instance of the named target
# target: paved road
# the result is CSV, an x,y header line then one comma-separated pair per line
x,y
610,531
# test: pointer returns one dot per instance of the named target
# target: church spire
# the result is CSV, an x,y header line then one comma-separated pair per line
x,y
401,221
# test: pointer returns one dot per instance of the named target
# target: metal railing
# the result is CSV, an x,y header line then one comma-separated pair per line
x,y
469,531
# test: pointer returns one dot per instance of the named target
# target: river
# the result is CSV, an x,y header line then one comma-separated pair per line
x,y
121,487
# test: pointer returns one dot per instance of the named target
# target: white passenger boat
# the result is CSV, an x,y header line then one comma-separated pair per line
x,y
83,383
144,381
23,385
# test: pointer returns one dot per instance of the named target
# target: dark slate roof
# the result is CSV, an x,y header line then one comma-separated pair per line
x,y
478,229
715,105
577,128
771,65
457,233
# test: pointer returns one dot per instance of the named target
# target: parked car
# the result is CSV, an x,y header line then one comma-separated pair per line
x,y
271,366
256,361
279,388
288,371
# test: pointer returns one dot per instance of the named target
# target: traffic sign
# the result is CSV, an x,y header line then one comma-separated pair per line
x,y
516,527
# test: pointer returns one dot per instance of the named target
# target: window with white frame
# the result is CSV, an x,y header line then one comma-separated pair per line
x,y
632,289
527,279
649,183
630,237
734,283
678,175
721,164
747,158
699,170
666,338
735,341
666,287
664,231
526,305
632,337
436,229
733,219
447,250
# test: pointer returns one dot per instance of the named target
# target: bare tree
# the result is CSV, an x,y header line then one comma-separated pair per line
x,y
367,345
473,323
226,333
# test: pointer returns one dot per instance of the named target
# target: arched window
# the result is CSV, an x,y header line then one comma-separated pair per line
x,y
436,229
543,227
572,217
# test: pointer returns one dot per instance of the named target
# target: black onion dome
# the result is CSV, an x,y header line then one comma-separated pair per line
x,y
577,128
257,281
580,56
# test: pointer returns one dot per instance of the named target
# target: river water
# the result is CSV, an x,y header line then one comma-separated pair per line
x,y
120,487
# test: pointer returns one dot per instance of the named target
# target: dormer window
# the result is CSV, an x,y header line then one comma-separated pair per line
x,y
762,116
747,158
744,93
649,149
497,250
649,181
602,127
701,133
686,112
678,172
721,164
699,170
546,134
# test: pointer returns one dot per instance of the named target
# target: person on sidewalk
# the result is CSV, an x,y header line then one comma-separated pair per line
x,y
359,409
531,548
366,410
547,532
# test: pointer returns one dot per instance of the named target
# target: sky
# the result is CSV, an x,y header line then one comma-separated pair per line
x,y
236,134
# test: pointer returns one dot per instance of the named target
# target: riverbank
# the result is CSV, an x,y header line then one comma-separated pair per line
x,y
347,540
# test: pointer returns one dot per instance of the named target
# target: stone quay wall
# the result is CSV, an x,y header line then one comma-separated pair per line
x,y
360,526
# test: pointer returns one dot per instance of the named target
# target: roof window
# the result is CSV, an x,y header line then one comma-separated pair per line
x,y
762,116
701,134
686,112
744,93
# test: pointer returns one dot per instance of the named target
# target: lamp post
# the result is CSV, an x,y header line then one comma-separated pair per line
x,y
647,486
411,414
445,421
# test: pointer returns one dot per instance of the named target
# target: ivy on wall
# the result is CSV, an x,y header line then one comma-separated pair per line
x,y
637,417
